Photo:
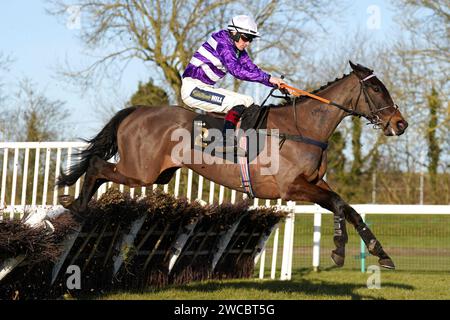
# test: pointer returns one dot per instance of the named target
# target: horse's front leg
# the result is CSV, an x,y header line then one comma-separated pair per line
x,y
302,190
372,243
340,236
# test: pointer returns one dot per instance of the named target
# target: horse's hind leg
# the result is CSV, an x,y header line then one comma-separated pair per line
x,y
98,172
92,181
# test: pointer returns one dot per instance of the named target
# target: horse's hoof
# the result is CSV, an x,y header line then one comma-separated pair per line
x,y
387,263
65,200
337,259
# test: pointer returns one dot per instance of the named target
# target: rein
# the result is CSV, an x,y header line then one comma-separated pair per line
x,y
372,117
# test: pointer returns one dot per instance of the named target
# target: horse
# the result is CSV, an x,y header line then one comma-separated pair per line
x,y
141,137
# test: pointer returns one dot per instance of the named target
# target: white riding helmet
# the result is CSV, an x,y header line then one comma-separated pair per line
x,y
244,25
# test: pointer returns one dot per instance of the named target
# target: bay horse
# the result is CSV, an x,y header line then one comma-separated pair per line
x,y
141,137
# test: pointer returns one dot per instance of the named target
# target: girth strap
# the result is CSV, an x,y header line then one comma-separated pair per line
x,y
297,138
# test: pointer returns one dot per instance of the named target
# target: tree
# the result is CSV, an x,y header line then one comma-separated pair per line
x,y
5,63
434,151
34,117
150,95
165,34
428,22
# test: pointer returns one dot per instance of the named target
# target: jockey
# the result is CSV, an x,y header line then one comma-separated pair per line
x,y
224,52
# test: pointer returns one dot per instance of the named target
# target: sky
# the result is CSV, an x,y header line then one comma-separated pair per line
x,y
39,43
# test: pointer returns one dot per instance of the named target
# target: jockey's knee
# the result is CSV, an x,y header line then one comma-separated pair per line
x,y
248,101
239,109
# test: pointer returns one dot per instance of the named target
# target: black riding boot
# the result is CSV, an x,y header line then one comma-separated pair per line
x,y
228,134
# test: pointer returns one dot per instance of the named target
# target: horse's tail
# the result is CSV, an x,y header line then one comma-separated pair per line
x,y
104,145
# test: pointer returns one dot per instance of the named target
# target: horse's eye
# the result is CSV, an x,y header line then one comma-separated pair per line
x,y
376,88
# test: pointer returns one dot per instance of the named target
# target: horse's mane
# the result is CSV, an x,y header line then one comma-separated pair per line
x,y
303,98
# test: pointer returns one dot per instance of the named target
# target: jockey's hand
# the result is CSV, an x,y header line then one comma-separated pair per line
x,y
285,91
276,81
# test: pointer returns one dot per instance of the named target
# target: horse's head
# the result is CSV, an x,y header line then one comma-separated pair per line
x,y
376,103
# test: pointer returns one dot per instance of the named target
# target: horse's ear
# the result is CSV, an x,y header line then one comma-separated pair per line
x,y
354,67
360,70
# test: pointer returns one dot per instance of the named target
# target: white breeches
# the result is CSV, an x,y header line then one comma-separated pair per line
x,y
198,95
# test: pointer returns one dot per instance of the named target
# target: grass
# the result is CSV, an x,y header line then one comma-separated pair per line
x,y
332,284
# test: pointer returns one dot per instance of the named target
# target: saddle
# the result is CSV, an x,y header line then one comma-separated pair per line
x,y
207,128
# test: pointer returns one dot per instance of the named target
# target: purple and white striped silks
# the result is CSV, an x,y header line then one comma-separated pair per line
x,y
219,56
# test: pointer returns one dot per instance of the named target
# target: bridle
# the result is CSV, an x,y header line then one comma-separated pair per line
x,y
373,117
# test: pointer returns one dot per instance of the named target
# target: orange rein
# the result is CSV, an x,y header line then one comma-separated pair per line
x,y
298,93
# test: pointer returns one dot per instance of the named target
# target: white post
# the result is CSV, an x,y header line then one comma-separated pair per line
x,y
200,188
233,196
261,264
77,184
177,183
189,185
211,192
4,172
316,240
284,261
274,254
14,180
102,190
287,244
25,177
46,176
35,177
77,188
221,194
291,244
69,160
58,163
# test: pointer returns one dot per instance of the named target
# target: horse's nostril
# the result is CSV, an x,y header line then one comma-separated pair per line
x,y
401,125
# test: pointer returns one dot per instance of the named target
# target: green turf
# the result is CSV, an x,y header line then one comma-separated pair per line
x,y
306,284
